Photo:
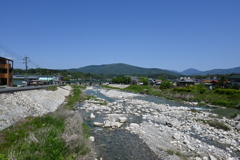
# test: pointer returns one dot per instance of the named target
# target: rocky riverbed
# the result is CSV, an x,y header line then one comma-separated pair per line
x,y
171,132
17,105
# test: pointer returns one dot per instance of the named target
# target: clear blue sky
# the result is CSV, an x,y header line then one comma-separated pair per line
x,y
165,34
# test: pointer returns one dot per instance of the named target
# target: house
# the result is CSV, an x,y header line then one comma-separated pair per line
x,y
134,79
208,83
151,81
6,71
234,79
20,80
158,81
185,81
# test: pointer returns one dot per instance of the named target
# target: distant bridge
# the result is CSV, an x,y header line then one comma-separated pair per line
x,y
88,82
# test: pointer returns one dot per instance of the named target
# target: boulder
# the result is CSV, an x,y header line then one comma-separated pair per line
x,y
118,124
205,158
123,119
134,125
91,138
92,116
211,157
107,123
238,126
114,117
98,124
237,118
176,136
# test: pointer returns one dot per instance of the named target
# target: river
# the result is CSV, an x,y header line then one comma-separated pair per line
x,y
124,142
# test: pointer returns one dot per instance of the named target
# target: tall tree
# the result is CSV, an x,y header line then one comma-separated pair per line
x,y
222,81
144,80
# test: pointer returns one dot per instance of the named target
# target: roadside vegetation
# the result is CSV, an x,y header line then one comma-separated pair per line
x,y
52,88
57,135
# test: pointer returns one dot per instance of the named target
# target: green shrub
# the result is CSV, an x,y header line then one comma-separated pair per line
x,y
182,89
226,103
227,91
138,88
218,125
165,85
170,152
52,88
201,88
235,86
234,115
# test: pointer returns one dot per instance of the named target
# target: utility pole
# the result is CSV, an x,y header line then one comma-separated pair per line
x,y
26,60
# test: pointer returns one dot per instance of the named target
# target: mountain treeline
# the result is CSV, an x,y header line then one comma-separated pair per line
x,y
86,76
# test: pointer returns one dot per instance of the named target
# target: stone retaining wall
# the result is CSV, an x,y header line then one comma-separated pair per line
x,y
17,105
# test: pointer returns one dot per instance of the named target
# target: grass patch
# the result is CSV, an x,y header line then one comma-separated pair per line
x,y
218,125
226,112
170,152
86,130
76,96
52,88
15,135
230,98
179,154
58,135
138,88
215,124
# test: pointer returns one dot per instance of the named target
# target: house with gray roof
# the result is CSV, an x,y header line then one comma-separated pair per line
x,y
234,79
134,79
185,81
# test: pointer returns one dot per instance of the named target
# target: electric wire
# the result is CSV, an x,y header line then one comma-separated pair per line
x,y
9,51
15,55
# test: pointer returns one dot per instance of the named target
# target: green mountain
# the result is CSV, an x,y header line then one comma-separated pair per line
x,y
192,71
120,68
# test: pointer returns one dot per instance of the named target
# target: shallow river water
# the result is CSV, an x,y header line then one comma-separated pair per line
x,y
120,143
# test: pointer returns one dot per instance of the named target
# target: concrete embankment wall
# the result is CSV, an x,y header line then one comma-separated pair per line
x,y
17,105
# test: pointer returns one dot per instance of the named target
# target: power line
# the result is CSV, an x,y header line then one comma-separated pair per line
x,y
19,57
9,51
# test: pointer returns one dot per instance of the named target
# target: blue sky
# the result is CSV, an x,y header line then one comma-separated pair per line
x,y
165,34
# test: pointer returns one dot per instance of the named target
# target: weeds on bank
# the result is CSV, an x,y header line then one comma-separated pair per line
x,y
52,88
59,135
75,96
179,154
24,139
86,130
226,112
138,88
215,124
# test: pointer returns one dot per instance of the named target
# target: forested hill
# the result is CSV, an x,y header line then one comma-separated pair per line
x,y
120,68
192,71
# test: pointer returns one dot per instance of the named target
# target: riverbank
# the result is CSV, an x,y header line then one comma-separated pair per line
x,y
39,125
170,132
17,105
193,95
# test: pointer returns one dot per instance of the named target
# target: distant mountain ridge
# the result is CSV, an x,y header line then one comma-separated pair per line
x,y
121,68
192,71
